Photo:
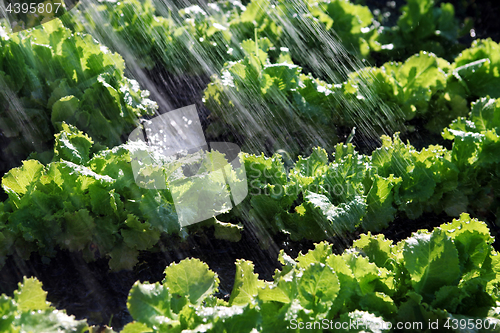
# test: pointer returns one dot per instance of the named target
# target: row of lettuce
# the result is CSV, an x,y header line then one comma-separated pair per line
x,y
321,37
307,112
58,76
195,39
49,75
94,204
445,280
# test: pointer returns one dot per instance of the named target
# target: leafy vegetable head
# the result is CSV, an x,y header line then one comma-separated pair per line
x,y
49,76
450,272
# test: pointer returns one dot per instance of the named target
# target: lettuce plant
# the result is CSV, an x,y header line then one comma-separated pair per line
x,y
190,40
94,205
317,198
273,106
398,93
475,151
442,278
476,70
422,26
49,75
28,311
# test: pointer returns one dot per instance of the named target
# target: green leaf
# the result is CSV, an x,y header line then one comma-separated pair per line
x,y
470,298
246,283
14,65
7,312
472,239
17,181
263,46
136,327
418,179
447,24
274,314
64,110
311,166
123,258
432,261
318,286
50,321
477,68
254,11
350,22
191,278
318,255
78,230
265,170
149,303
247,322
419,27
72,145
339,219
421,71
455,203
102,200
378,303
377,249
279,293
448,297
284,289
140,236
30,296
232,319
466,148
227,231
380,198
159,211
490,148
369,277
485,115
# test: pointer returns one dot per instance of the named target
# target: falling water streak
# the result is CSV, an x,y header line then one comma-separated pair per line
x,y
362,110
16,111
30,131
336,54
119,45
344,64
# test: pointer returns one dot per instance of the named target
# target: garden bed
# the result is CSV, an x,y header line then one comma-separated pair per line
x,y
89,290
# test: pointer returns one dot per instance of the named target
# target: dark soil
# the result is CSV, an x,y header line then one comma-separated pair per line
x,y
403,228
179,90
484,15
